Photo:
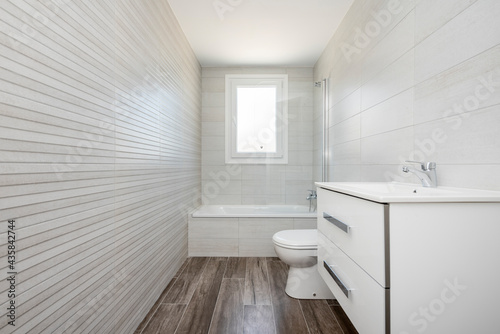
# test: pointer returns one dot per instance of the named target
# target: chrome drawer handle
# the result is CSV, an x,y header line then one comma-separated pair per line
x,y
343,226
337,280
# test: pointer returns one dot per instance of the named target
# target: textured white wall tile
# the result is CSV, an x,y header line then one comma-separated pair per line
x,y
346,153
213,143
213,129
263,228
212,99
256,247
220,186
264,186
463,37
305,224
299,173
471,138
213,114
96,95
432,15
300,143
212,158
213,85
213,247
222,199
346,108
267,199
483,176
299,72
300,158
469,86
213,228
343,173
394,79
397,42
298,187
300,114
387,148
347,130
386,173
221,173
300,129
392,114
262,172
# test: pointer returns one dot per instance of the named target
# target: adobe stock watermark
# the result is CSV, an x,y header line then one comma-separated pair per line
x,y
210,190
268,134
364,36
75,156
455,116
299,277
425,315
38,19
472,102
94,304
223,6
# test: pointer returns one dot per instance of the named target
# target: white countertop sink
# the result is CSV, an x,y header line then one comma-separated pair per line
x,y
394,192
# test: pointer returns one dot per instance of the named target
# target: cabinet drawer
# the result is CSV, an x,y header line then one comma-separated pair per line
x,y
367,302
358,228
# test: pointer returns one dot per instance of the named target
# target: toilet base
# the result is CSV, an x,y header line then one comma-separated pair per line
x,y
306,283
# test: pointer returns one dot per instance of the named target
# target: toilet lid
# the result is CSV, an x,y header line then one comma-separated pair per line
x,y
303,239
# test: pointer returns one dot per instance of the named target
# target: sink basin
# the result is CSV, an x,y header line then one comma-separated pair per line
x,y
393,192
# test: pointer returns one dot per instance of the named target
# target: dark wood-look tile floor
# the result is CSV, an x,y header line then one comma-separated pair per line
x,y
220,295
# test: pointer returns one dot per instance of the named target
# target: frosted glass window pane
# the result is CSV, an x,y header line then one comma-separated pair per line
x,y
256,119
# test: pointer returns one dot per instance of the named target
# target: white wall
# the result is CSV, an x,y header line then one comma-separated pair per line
x,y
100,113
422,84
257,184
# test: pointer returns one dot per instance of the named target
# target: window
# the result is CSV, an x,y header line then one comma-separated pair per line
x,y
256,119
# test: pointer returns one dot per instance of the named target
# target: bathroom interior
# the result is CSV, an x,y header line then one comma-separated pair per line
x,y
113,132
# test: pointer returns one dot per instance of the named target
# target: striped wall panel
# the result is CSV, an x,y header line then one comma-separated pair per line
x,y
100,160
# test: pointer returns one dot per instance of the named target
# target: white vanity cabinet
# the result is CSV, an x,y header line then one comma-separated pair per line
x,y
407,262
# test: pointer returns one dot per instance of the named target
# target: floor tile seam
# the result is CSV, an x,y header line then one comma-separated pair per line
x,y
266,273
191,297
335,316
304,316
157,307
177,274
218,295
242,310
271,298
248,278
329,307
165,292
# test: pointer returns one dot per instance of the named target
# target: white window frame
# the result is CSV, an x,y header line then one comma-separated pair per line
x,y
280,81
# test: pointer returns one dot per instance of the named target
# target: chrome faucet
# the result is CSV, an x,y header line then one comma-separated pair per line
x,y
312,195
427,173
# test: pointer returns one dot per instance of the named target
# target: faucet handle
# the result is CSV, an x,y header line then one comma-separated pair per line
x,y
426,166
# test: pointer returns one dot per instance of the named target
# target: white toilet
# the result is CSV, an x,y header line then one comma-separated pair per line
x,y
298,249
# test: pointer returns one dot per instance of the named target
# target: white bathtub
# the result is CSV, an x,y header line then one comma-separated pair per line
x,y
253,211
243,230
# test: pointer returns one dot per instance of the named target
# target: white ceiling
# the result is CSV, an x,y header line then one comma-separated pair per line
x,y
259,32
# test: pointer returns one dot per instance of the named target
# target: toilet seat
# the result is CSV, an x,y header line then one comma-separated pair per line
x,y
296,239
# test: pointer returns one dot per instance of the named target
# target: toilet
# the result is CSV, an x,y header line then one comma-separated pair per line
x,y
299,249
